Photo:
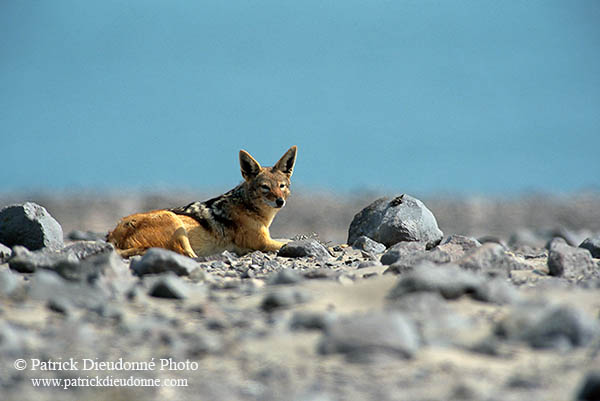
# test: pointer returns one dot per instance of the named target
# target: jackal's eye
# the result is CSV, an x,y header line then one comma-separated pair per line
x,y
282,186
265,187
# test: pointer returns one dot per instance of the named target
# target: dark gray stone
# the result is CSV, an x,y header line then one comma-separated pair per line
x,y
91,268
529,252
548,326
285,276
526,237
158,260
368,245
555,242
456,246
491,257
498,291
66,262
409,262
25,261
589,390
31,226
361,337
403,218
527,381
569,236
452,282
592,244
492,238
302,248
78,235
59,305
85,249
49,286
225,257
402,250
312,320
569,262
5,253
13,340
169,286
8,282
327,274
283,298
437,322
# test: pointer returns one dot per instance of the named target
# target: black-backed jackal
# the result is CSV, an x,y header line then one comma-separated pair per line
x,y
237,221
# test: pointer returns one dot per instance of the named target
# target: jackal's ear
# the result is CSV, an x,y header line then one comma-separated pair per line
x,y
287,161
250,167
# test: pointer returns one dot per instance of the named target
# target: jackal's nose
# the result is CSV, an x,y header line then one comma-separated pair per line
x,y
280,202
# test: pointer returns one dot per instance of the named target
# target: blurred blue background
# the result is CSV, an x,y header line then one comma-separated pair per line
x,y
477,97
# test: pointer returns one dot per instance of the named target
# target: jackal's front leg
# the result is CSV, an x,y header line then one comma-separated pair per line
x,y
262,241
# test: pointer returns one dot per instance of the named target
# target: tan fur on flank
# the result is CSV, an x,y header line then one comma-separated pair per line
x,y
237,221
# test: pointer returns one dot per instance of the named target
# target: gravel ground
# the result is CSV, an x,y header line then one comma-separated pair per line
x,y
461,321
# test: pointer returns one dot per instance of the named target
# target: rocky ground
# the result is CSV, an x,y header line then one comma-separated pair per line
x,y
417,315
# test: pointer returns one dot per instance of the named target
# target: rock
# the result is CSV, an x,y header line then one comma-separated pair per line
x,y
525,237
302,248
456,246
449,281
31,226
12,340
402,250
78,235
312,320
169,286
404,218
524,381
497,291
327,274
59,305
225,257
491,257
548,326
25,261
283,298
590,388
67,264
8,282
5,253
360,337
492,238
158,260
569,262
570,237
452,282
592,244
437,322
312,395
368,245
409,262
49,286
368,263
529,252
85,249
92,268
285,276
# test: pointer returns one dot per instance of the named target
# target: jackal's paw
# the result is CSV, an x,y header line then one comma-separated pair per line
x,y
274,245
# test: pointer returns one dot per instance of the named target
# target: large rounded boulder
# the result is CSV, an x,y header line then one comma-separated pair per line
x,y
403,218
31,226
